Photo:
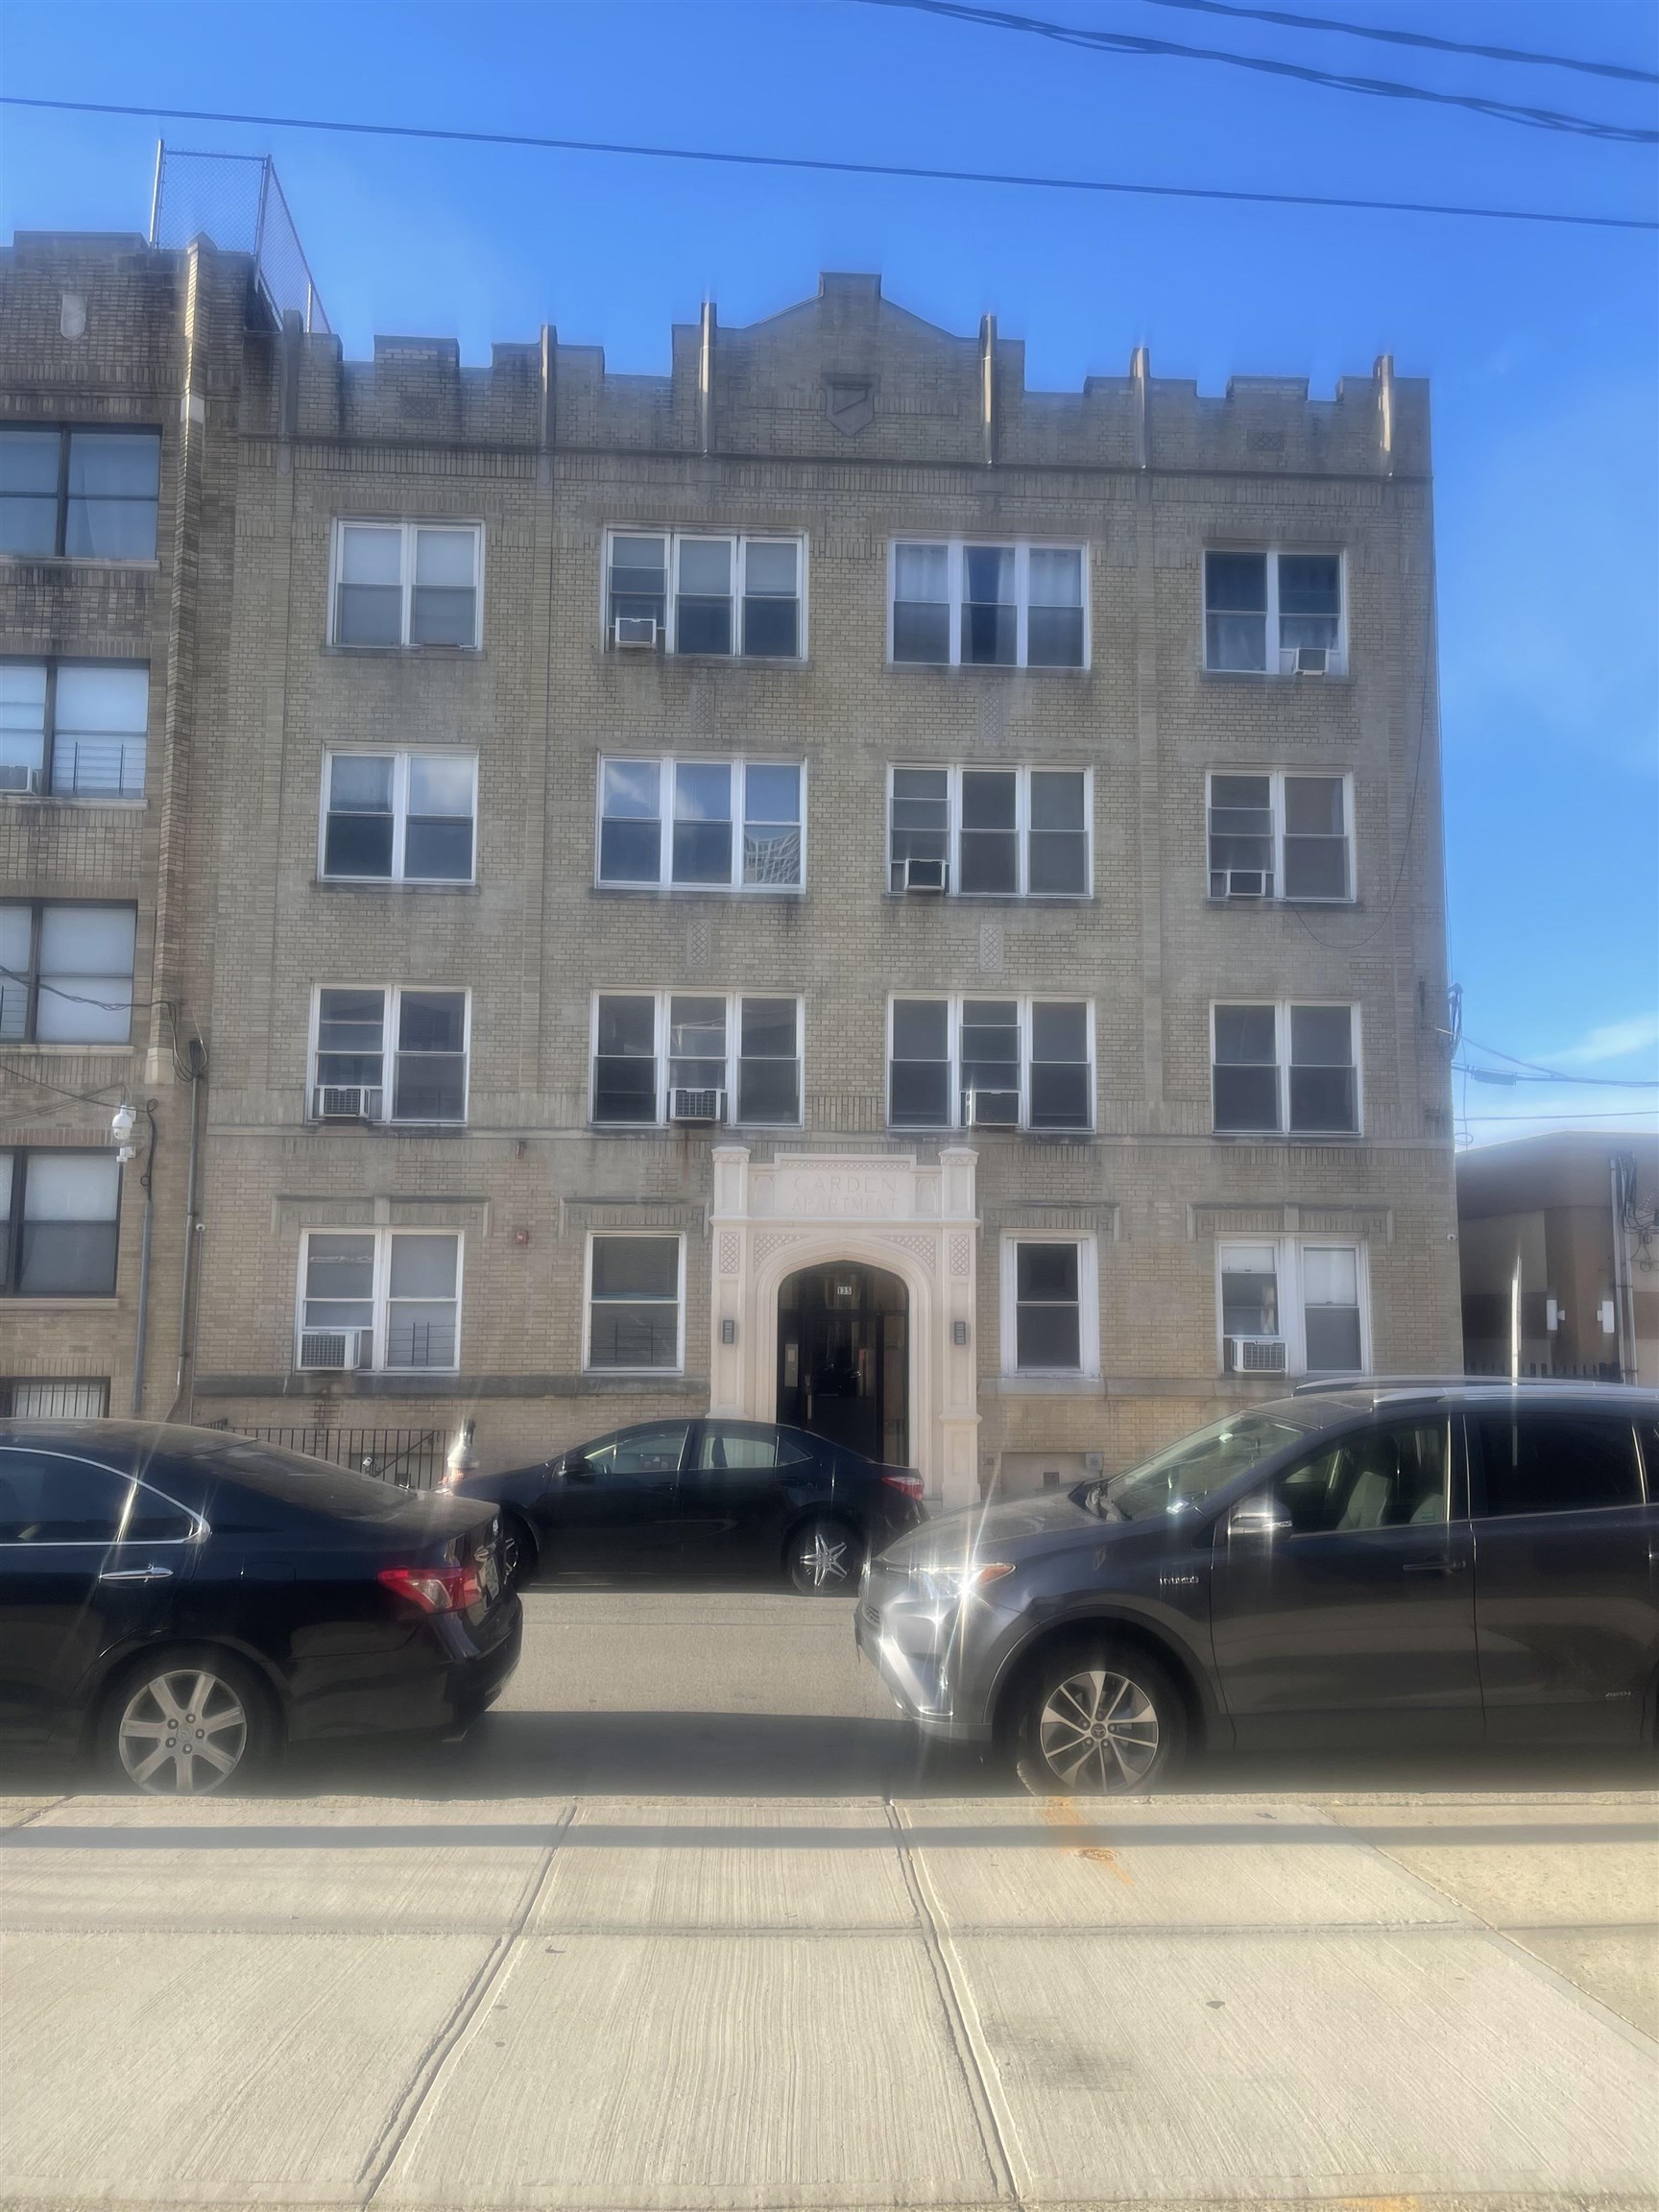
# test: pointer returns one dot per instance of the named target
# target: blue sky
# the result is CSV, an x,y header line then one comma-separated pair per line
x,y
1541,343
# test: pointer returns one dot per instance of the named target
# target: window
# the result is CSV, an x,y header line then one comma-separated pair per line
x,y
648,1454
635,1292
1286,1068
991,1063
1280,835
1049,1325
424,1034
47,1498
1292,1305
59,1215
742,1447
380,1298
966,606
1380,1478
73,727
40,1398
67,974
698,591
695,1056
999,833
701,824
1543,1462
1274,614
90,494
399,817
407,583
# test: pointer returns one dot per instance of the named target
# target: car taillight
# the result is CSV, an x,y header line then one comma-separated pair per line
x,y
911,1484
435,1589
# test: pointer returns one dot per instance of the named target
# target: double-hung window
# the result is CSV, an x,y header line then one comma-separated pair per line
x,y
1050,1306
635,1304
86,495
721,592
960,1063
390,1055
58,1213
399,817
407,583
380,1298
996,833
1291,1305
1281,835
964,606
75,728
1282,1068
695,1056
67,974
1274,614
701,824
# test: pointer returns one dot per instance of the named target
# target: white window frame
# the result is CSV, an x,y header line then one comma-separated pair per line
x,y
1025,1002
1023,775
1282,1008
1335,665
1087,1307
409,525
53,666
660,1033
380,1291
1293,1312
666,763
1022,549
678,1236
391,1004
401,761
1276,778
739,541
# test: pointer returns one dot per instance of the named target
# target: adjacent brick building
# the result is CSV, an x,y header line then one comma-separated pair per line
x,y
824,883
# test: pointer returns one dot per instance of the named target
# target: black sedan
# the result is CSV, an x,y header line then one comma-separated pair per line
x,y
181,1604
709,1497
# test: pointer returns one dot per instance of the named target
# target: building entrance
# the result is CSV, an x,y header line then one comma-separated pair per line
x,y
843,1358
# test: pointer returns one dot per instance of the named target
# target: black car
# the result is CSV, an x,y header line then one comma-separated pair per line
x,y
181,1603
1418,1564
709,1497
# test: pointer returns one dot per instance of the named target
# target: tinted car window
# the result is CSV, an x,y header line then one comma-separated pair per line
x,y
1186,1473
724,1445
1382,1479
157,1520
1538,1462
652,1450
314,1485
45,1499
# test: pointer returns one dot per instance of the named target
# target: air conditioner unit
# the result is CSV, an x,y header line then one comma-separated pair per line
x,y
1245,882
14,777
927,875
697,1106
1255,1355
336,1351
346,1102
1306,660
993,1109
635,633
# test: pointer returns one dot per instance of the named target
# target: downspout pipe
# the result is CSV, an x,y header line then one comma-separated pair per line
x,y
148,1180
196,1059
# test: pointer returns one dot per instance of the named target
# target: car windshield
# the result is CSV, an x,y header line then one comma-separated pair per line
x,y
1183,1475
316,1485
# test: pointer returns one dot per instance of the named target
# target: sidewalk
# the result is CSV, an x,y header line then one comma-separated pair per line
x,y
617,2002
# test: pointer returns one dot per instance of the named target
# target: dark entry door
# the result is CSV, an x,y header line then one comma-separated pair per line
x,y
843,1358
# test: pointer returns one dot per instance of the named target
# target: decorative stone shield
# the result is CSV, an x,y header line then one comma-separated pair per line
x,y
850,402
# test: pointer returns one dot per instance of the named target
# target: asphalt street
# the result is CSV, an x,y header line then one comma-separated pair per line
x,y
689,1923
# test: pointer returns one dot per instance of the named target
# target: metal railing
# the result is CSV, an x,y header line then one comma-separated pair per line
x,y
410,1457
235,200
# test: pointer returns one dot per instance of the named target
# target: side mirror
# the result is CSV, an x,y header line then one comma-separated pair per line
x,y
576,1469
1258,1520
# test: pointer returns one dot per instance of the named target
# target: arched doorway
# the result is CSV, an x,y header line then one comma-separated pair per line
x,y
844,1357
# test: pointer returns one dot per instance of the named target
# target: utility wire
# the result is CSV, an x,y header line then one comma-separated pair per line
x,y
1614,1114
1553,1074
822,166
1375,88
1590,1082
1413,38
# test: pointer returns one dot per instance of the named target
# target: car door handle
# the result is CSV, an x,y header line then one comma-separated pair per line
x,y
1434,1567
135,1575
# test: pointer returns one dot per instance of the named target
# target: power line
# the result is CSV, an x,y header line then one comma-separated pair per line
x,y
1374,88
1414,39
1590,1082
1615,1114
822,166
1553,1074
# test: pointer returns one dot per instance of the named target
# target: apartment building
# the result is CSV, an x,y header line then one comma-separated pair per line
x,y
822,885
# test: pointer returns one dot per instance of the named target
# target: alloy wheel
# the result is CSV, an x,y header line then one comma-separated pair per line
x,y
824,1559
1098,1731
182,1733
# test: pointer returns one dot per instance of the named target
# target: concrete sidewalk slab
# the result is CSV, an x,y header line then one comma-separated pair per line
x,y
1561,1864
1618,1966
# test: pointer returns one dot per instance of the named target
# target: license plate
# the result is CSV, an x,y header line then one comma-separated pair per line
x,y
489,1574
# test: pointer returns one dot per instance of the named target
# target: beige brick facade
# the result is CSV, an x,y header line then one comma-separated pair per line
x,y
547,452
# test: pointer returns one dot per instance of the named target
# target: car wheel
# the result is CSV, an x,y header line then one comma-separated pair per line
x,y
825,1555
518,1549
1101,1722
186,1723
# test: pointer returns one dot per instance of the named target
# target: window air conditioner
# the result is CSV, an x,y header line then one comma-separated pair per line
x,y
1306,660
697,1106
1255,1355
1246,883
635,633
927,875
336,1351
346,1102
14,777
993,1109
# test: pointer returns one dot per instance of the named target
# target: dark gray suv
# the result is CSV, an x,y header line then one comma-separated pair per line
x,y
1421,1564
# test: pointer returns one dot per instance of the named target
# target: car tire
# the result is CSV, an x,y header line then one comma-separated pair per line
x,y
1100,1721
825,1556
527,1558
186,1723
